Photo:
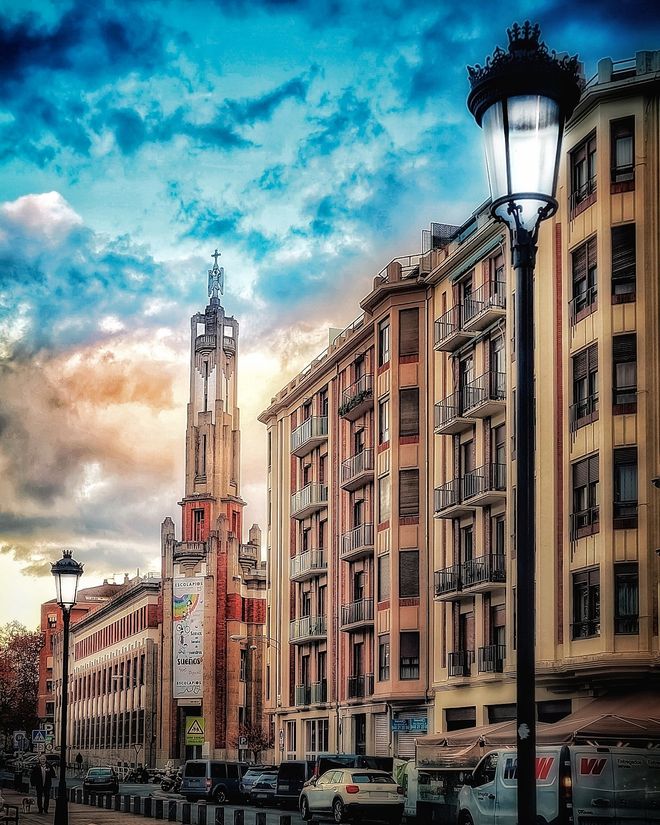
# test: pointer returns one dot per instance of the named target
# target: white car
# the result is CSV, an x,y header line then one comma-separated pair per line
x,y
349,793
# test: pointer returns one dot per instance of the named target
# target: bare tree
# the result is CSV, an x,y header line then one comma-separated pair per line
x,y
19,677
252,738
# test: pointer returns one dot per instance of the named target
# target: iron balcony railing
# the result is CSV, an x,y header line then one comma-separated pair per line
x,y
587,298
447,495
303,695
312,495
585,522
492,295
359,537
483,569
319,692
308,562
491,659
315,427
447,324
489,386
447,580
359,391
488,478
307,627
581,193
360,687
585,408
362,462
459,662
357,612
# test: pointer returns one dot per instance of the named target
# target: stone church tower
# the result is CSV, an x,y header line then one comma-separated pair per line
x,y
213,584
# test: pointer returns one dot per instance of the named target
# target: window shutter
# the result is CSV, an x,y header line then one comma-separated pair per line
x,y
409,645
383,577
591,252
580,365
580,473
409,492
593,468
580,263
592,358
625,456
409,332
623,252
408,573
409,411
624,348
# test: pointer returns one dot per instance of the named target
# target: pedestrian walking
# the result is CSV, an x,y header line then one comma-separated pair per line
x,y
79,761
41,777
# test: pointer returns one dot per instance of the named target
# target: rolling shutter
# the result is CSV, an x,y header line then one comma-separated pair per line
x,y
381,735
623,252
409,411
409,332
408,492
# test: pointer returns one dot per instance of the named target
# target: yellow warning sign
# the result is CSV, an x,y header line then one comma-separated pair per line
x,y
194,730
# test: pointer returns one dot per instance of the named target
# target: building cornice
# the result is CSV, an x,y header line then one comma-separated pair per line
x,y
132,593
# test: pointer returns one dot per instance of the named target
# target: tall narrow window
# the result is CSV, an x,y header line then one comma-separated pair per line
x,y
199,533
323,402
409,411
586,603
626,598
384,421
409,655
622,141
408,493
409,332
585,280
583,172
384,499
383,577
624,263
624,374
383,343
384,657
584,409
625,487
585,516
408,573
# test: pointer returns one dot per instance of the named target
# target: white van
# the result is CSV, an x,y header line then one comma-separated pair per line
x,y
576,785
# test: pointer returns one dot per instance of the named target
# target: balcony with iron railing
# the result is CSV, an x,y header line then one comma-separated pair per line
x,y
583,304
310,499
484,306
449,334
319,692
448,501
450,417
357,470
310,434
583,195
357,398
490,659
303,695
307,565
583,412
477,575
357,614
307,629
459,662
485,396
485,485
360,687
358,542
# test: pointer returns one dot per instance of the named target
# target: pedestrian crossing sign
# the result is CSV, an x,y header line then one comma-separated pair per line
x,y
194,730
38,737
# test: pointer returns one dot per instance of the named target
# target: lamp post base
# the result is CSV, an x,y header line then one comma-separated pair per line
x,y
61,808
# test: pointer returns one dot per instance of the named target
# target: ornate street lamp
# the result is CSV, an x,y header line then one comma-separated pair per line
x,y
66,571
522,99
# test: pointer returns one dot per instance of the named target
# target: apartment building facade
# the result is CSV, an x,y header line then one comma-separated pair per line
x,y
371,648
113,678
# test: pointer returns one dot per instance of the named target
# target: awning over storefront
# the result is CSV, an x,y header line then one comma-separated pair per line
x,y
623,720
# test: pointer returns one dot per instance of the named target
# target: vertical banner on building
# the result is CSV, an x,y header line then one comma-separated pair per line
x,y
188,637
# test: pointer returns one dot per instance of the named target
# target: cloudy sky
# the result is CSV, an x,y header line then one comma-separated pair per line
x,y
310,141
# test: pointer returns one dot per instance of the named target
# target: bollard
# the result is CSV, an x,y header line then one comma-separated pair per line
x,y
117,799
285,819
126,803
100,800
185,813
137,804
109,802
158,813
146,806
171,810
92,799
261,818
239,816
219,815
201,813
79,795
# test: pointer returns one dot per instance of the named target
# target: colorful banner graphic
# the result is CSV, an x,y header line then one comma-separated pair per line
x,y
188,637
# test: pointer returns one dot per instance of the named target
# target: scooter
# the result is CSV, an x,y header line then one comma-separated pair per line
x,y
171,783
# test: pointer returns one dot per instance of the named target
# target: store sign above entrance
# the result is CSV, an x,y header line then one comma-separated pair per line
x,y
410,725
194,730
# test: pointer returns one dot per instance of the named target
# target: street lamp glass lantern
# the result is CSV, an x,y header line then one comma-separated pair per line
x,y
521,99
67,571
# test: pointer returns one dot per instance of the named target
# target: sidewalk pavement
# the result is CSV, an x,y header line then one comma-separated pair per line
x,y
78,814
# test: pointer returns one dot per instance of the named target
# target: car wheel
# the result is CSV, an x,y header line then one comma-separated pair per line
x,y
465,819
220,796
305,813
338,813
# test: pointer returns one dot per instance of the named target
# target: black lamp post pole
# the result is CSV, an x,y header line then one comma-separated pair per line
x,y
523,246
61,803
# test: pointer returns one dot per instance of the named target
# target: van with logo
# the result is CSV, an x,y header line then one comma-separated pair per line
x,y
215,780
575,785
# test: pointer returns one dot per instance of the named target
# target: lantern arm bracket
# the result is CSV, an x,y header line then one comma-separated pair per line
x,y
524,241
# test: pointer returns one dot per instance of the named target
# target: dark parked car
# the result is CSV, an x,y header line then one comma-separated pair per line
x,y
212,779
291,776
101,780
251,776
264,789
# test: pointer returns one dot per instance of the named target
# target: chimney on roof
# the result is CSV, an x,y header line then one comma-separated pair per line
x,y
125,578
105,581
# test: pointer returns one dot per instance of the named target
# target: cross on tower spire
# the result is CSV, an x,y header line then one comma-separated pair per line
x,y
216,277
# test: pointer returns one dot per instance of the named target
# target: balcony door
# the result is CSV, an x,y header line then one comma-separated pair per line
x,y
466,635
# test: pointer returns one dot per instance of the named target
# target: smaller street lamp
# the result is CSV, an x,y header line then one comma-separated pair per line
x,y
67,571
522,99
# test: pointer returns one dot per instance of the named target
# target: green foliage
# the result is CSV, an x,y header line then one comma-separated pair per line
x,y
354,401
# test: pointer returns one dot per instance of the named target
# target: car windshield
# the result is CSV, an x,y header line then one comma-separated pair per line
x,y
374,778
100,772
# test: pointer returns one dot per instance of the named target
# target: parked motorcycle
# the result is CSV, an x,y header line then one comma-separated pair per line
x,y
171,782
